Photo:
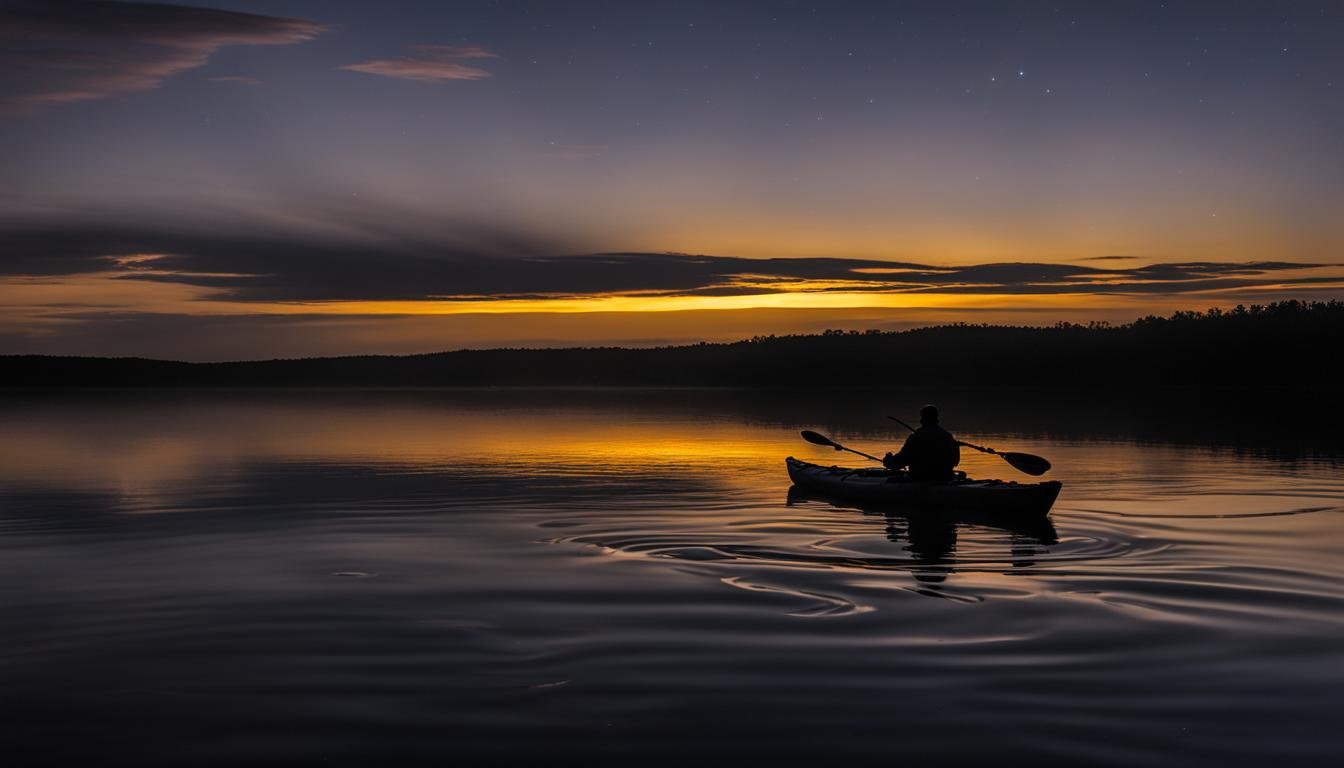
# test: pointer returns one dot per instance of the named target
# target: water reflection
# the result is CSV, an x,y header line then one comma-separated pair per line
x,y
930,536
416,577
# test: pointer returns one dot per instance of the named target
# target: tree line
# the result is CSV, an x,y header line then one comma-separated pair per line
x,y
1286,343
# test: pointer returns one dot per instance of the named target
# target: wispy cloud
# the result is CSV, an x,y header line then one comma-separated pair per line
x,y
62,51
430,64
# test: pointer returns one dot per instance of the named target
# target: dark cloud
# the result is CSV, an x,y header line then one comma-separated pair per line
x,y
60,51
494,265
430,64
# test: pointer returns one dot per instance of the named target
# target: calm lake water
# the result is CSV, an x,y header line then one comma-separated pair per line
x,y
383,578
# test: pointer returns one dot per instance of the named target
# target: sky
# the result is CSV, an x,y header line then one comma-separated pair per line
x,y
248,179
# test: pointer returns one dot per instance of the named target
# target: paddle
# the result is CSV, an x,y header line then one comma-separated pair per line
x,y
816,439
1023,462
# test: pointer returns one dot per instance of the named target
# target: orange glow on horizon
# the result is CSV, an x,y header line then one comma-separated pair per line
x,y
37,312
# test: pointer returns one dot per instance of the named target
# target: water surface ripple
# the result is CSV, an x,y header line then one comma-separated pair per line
x,y
416,577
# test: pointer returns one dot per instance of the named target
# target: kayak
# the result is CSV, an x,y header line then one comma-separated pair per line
x,y
882,486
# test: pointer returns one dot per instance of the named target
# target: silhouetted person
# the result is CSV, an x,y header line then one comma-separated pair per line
x,y
930,453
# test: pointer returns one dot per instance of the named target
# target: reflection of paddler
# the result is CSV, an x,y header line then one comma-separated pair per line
x,y
933,541
932,536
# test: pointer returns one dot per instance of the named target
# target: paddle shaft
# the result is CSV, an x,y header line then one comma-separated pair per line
x,y
817,438
839,447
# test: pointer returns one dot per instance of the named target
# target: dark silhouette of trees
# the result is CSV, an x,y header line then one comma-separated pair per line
x,y
1287,343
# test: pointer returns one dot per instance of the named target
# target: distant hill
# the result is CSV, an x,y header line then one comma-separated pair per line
x,y
1287,343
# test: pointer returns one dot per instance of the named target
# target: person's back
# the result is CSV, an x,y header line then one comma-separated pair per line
x,y
931,452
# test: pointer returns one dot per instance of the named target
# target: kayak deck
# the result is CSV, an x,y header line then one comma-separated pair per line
x,y
882,486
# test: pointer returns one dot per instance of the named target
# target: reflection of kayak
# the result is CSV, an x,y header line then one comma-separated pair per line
x,y
882,486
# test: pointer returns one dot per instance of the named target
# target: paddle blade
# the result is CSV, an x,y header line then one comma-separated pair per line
x,y
1026,462
816,439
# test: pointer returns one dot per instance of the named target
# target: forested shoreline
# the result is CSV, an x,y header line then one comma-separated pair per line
x,y
1279,344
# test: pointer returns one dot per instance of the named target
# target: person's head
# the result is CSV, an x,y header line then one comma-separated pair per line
x,y
928,414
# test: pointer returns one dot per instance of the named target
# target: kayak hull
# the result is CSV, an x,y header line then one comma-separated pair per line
x,y
884,487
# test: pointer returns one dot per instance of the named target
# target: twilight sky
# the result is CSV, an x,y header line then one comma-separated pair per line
x,y
253,179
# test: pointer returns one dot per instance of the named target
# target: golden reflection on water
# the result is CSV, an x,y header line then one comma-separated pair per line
x,y
163,456
138,446
142,447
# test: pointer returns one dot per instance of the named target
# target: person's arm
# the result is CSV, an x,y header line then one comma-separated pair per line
x,y
901,458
